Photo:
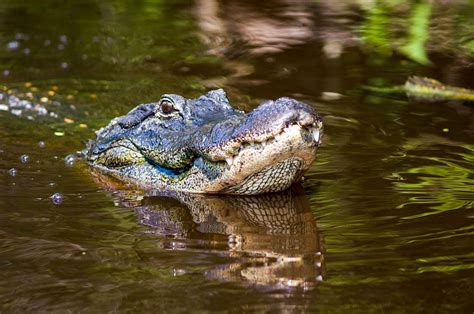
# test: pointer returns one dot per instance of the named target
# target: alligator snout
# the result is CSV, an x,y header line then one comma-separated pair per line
x,y
271,117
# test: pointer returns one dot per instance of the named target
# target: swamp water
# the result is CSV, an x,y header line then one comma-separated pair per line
x,y
383,221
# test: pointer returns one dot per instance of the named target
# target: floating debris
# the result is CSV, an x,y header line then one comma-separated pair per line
x,y
68,120
41,144
331,96
59,133
3,107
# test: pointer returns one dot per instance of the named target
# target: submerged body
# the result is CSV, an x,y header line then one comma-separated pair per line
x,y
204,145
426,90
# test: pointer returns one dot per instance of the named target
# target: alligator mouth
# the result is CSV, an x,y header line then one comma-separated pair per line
x,y
259,147
313,131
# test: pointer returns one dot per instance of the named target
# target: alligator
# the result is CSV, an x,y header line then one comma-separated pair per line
x,y
272,239
423,89
204,145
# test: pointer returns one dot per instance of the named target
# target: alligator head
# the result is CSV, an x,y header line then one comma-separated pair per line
x,y
204,145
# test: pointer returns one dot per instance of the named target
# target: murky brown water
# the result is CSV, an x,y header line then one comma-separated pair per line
x,y
382,223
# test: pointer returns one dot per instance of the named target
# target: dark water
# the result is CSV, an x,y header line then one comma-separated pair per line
x,y
385,219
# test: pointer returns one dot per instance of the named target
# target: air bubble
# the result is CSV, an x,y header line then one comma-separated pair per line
x,y
24,158
12,172
57,198
70,160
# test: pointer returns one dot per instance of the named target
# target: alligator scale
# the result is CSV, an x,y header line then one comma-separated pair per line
x,y
204,145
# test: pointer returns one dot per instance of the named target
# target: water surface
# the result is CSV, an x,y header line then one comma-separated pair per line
x,y
382,222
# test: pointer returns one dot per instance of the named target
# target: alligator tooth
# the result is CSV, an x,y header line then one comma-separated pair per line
x,y
316,135
264,143
230,160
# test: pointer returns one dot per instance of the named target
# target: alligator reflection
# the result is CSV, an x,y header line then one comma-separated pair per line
x,y
272,237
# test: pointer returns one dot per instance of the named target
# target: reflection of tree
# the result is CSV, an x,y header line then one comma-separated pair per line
x,y
409,28
439,183
416,29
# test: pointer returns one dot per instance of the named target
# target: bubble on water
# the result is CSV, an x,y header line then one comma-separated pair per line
x,y
22,104
24,158
6,72
16,112
61,47
26,51
47,42
41,144
12,172
20,36
42,111
64,65
57,198
13,45
63,39
70,160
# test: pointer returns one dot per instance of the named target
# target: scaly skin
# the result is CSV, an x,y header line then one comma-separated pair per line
x,y
204,145
424,89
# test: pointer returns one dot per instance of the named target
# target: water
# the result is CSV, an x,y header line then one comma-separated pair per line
x,y
383,221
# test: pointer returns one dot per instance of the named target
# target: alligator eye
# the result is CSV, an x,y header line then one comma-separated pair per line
x,y
166,106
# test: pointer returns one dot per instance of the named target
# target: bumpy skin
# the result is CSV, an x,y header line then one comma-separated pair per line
x,y
204,145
